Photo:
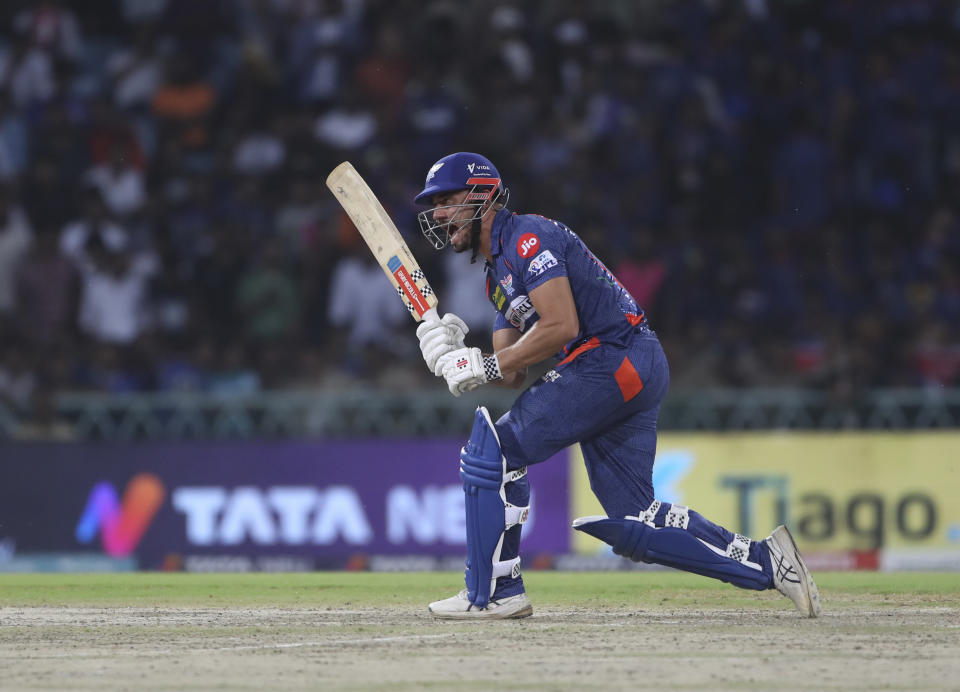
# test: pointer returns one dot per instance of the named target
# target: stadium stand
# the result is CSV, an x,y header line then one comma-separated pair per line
x,y
774,181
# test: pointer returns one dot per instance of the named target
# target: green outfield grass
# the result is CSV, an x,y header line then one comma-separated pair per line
x,y
369,590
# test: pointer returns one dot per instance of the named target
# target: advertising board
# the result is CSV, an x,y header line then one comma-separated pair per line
x,y
845,491
292,505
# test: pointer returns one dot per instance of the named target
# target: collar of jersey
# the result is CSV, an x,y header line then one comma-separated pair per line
x,y
499,221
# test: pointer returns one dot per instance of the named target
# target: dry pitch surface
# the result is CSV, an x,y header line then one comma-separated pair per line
x,y
350,631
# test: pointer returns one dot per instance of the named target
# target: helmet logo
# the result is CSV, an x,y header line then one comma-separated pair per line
x,y
471,166
433,170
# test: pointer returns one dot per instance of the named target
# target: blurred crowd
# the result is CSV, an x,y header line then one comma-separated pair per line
x,y
776,182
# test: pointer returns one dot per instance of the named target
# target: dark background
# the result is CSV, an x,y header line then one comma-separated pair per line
x,y
775,182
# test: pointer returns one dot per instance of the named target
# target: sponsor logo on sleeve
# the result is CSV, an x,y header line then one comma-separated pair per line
x,y
542,263
527,244
519,311
498,298
507,284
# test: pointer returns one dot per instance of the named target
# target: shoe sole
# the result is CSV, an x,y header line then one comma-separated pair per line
x,y
524,612
812,592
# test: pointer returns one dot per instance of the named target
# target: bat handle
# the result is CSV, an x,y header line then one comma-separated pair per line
x,y
431,315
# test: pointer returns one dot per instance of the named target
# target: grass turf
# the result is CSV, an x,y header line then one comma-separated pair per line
x,y
351,590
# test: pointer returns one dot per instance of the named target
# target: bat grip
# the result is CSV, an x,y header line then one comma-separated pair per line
x,y
431,315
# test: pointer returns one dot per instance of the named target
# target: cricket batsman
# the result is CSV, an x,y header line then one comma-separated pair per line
x,y
553,297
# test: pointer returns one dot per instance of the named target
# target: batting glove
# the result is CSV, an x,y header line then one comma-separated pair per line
x,y
466,369
439,337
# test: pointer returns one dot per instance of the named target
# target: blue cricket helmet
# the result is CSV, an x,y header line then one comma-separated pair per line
x,y
459,171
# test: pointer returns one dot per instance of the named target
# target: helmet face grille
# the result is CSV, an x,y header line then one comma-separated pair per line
x,y
482,197
438,233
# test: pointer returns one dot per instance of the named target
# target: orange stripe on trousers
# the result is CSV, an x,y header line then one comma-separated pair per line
x,y
628,379
586,346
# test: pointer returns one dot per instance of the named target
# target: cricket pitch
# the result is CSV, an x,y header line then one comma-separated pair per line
x,y
364,631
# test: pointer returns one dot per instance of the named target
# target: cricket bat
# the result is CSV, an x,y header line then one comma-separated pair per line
x,y
385,241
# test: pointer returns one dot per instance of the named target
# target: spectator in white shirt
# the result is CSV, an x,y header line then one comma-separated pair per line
x,y
365,304
113,293
51,27
260,151
351,125
120,182
94,221
473,306
27,71
136,72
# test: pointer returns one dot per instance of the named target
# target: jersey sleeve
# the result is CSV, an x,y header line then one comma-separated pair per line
x,y
539,250
501,322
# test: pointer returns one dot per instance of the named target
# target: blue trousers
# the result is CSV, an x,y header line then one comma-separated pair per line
x,y
586,402
608,399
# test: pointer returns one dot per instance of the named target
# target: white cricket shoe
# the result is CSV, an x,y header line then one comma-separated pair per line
x,y
790,576
459,607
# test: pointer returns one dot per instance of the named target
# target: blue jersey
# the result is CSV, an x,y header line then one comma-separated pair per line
x,y
528,250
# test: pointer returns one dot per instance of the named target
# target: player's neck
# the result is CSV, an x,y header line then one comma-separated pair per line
x,y
486,231
485,246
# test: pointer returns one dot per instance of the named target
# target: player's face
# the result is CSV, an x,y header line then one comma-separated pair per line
x,y
454,217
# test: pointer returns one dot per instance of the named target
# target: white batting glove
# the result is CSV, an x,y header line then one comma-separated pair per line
x,y
439,337
466,369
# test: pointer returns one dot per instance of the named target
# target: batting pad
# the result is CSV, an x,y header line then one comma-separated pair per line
x,y
483,471
672,547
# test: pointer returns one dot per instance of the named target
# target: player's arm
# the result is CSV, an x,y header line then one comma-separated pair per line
x,y
502,338
558,324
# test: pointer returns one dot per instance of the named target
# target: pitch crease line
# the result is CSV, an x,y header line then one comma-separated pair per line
x,y
334,642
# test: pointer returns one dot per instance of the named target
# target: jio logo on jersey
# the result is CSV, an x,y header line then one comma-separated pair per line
x,y
527,244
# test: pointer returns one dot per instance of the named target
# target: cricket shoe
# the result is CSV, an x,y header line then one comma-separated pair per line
x,y
790,576
459,607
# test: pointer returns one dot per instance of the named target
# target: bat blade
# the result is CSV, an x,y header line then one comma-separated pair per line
x,y
384,240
